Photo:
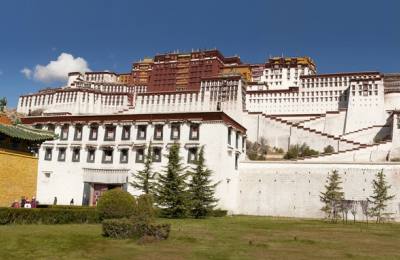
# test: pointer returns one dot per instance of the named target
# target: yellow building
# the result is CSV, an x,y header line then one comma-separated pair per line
x,y
243,69
18,163
124,78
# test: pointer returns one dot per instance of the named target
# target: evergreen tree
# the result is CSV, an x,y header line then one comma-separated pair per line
x,y
172,195
380,198
3,104
201,191
332,196
144,180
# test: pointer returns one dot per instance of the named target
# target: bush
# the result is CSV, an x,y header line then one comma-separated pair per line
x,y
145,209
119,228
48,216
128,228
329,149
116,203
257,151
218,213
296,151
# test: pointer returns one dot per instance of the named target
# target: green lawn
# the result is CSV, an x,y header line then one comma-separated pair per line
x,y
215,238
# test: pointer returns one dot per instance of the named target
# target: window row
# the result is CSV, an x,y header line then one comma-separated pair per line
x,y
108,155
110,132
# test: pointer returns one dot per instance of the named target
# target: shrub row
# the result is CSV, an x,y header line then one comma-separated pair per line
x,y
63,206
128,228
48,216
218,213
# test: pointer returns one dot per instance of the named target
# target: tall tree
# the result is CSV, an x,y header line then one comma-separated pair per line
x,y
380,197
172,195
3,104
144,180
201,190
332,196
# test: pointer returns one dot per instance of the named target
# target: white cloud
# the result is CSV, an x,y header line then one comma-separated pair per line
x,y
57,70
27,72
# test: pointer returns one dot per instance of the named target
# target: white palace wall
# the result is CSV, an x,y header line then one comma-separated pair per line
x,y
292,189
66,179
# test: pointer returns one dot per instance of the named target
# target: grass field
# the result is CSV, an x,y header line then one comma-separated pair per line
x,y
215,238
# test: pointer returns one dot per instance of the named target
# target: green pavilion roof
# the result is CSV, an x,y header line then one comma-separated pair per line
x,y
26,132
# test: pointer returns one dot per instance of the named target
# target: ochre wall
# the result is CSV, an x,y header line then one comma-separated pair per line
x,y
4,120
18,174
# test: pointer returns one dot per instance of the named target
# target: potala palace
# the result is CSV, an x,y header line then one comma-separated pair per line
x,y
105,120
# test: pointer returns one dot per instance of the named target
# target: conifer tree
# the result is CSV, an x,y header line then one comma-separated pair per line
x,y
144,180
332,196
201,190
172,195
380,197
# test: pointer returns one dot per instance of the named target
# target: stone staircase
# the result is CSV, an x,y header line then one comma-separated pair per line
x,y
315,132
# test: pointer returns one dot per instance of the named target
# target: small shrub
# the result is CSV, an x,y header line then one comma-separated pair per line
x,y
116,203
128,228
296,151
160,232
145,208
278,150
329,149
47,216
257,151
119,228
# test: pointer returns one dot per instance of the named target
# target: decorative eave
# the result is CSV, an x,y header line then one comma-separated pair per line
x,y
24,132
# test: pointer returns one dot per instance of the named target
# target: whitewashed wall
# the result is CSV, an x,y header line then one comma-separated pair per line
x,y
293,189
66,179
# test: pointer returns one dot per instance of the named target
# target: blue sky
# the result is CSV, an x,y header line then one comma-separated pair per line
x,y
109,35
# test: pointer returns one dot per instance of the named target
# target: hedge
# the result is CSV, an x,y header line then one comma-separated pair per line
x,y
122,228
218,213
128,228
63,206
48,216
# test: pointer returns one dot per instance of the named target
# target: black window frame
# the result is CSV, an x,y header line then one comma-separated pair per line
x,y
59,154
51,128
47,153
92,128
106,129
229,136
103,160
153,156
74,153
141,128
90,150
236,161
196,149
126,129
237,139
75,132
158,127
121,155
191,132
137,155
178,126
66,126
